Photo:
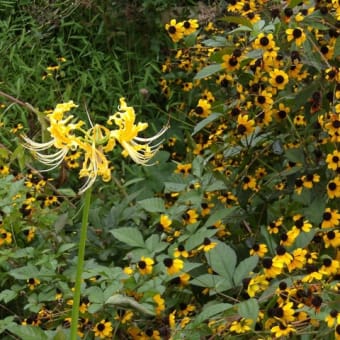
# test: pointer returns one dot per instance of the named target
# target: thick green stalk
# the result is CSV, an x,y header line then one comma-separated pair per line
x,y
80,264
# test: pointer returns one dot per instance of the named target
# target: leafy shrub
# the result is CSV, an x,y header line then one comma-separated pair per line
x,y
235,232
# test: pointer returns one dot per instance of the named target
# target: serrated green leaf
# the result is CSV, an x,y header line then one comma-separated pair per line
x,y
222,260
130,236
249,309
153,204
208,71
244,268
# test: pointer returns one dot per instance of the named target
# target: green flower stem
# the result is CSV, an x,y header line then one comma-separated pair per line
x,y
80,264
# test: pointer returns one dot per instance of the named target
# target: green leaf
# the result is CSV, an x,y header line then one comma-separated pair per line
x,y
198,166
314,211
65,247
244,268
203,123
7,295
304,239
249,309
208,311
299,99
174,186
154,245
130,236
215,283
59,335
95,295
152,204
238,20
217,41
6,323
337,47
197,238
222,260
28,332
295,155
25,273
294,3
220,215
208,71
128,302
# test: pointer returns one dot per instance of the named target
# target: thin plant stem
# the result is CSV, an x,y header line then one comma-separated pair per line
x,y
80,264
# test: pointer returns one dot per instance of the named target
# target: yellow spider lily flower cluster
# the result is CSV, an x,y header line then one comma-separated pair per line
x,y
67,134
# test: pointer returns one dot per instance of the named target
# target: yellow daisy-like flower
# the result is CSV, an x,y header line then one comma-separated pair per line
x,y
333,188
145,265
282,330
278,79
190,26
4,170
183,169
203,108
259,249
299,259
5,237
296,34
181,252
190,216
230,62
160,304
173,266
207,245
103,329
175,30
333,160
264,41
33,283
330,218
257,284
241,326
333,318
165,221
245,126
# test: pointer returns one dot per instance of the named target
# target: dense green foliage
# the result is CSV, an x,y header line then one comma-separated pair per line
x,y
234,230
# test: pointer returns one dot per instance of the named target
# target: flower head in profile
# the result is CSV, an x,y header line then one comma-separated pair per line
x,y
62,137
141,150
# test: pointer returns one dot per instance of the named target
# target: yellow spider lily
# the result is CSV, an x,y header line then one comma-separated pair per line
x,y
95,142
139,149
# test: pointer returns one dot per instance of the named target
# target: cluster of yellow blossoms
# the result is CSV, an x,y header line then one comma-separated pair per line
x,y
68,135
